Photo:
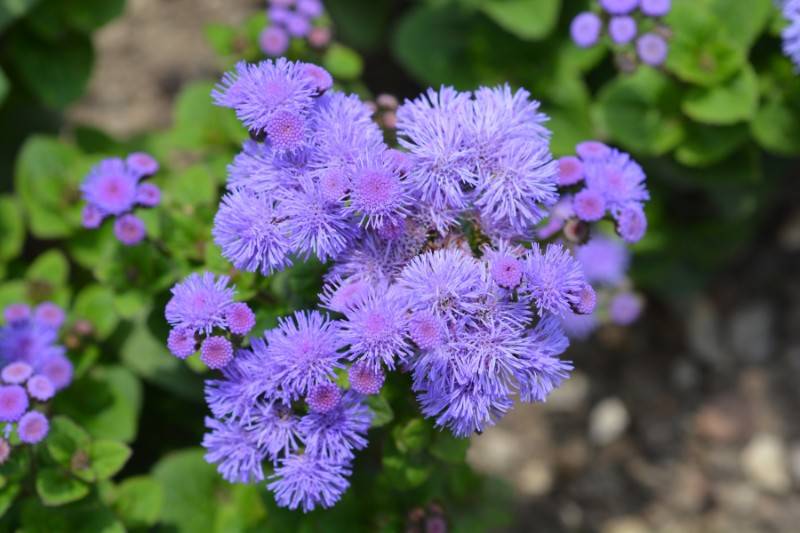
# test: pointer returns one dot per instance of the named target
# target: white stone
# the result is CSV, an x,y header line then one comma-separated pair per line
x,y
608,421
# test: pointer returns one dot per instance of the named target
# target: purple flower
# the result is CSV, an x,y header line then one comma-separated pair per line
x,y
16,373
655,8
319,78
13,402
652,49
310,8
364,379
553,278
91,217
619,179
335,434
427,330
341,295
303,352
570,171
631,223
323,398
592,151
578,326
233,450
377,192
544,371
274,428
49,314
622,29
200,302
297,25
286,131
148,195
33,427
16,313
505,265
589,205
257,92
307,482
27,341
448,283
791,34
181,342
274,41
586,301
129,230
248,228
314,223
240,318
40,388
375,331
585,29
625,308
603,260
432,129
141,164
216,352
110,187
619,7
57,368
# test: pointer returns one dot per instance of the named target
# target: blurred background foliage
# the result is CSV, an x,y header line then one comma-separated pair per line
x,y
716,130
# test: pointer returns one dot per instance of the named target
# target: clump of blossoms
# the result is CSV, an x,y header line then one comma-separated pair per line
x,y
434,270
634,29
202,314
34,369
599,185
113,188
791,34
293,19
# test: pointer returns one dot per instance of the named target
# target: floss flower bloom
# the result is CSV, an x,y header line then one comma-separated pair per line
x,y
431,268
113,188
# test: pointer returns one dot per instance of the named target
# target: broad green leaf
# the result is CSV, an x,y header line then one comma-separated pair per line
x,y
84,516
701,52
734,101
58,74
527,19
4,86
569,128
192,187
46,179
12,228
641,112
413,436
96,304
8,493
88,15
11,292
343,63
382,412
776,127
199,123
449,448
11,10
106,403
50,267
65,439
108,457
362,24
706,145
139,501
58,487
743,21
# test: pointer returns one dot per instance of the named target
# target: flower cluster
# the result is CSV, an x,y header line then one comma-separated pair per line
x,y
632,25
202,312
791,34
432,271
293,18
34,369
113,188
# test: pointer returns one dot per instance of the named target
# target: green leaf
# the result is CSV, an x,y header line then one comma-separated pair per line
x,y
4,86
343,63
50,267
108,457
87,515
382,412
701,52
11,10
449,448
106,403
139,501
199,123
65,439
88,15
734,101
58,74
8,494
192,187
413,436
11,228
47,179
362,24
776,127
743,21
527,19
706,145
641,112
57,487
96,304
12,292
